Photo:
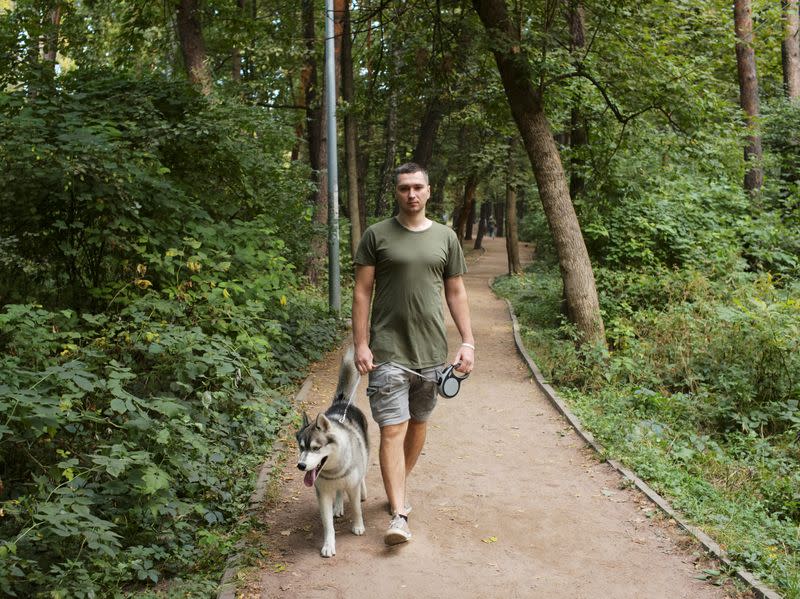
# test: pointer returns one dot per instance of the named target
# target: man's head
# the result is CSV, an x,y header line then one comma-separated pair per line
x,y
407,169
411,188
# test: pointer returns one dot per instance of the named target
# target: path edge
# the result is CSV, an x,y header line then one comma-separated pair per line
x,y
227,586
750,579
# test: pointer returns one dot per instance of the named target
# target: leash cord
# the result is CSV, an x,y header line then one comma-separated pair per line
x,y
350,399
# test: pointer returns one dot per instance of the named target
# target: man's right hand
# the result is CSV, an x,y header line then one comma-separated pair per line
x,y
363,359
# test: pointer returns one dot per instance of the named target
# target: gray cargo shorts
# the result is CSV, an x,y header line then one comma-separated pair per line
x,y
396,396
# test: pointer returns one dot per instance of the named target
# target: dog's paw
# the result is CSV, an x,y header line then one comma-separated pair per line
x,y
328,550
338,511
358,529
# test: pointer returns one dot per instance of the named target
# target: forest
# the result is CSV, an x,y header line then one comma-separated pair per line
x,y
164,216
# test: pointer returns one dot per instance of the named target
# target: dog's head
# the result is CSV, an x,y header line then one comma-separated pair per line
x,y
315,444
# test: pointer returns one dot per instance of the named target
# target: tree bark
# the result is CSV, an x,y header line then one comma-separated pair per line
x,y
748,91
350,133
499,218
193,47
51,38
583,307
790,49
317,148
391,142
486,210
434,114
436,202
465,209
510,220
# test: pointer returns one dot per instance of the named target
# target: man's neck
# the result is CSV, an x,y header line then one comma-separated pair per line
x,y
415,222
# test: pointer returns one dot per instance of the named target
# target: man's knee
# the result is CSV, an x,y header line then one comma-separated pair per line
x,y
394,432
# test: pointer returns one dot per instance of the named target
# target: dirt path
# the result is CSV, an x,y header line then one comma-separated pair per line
x,y
507,501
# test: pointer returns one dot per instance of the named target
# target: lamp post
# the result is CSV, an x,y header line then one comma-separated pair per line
x,y
334,284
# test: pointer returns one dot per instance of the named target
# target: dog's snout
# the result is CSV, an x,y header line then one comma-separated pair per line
x,y
301,465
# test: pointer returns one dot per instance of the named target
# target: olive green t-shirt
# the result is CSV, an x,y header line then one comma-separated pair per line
x,y
407,322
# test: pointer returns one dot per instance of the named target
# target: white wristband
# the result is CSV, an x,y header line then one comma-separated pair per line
x,y
469,345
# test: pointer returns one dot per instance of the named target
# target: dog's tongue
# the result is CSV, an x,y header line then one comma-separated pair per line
x,y
310,477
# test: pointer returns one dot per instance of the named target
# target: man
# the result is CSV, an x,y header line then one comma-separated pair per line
x,y
407,260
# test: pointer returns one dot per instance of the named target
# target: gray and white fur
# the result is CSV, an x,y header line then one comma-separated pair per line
x,y
334,454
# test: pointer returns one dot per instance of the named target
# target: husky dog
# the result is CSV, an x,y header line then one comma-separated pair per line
x,y
334,453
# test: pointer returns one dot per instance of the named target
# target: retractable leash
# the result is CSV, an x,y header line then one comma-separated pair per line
x,y
447,381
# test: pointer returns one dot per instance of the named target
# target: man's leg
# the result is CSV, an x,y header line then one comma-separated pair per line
x,y
393,464
413,444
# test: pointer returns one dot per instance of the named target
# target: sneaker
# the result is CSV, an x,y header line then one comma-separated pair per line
x,y
398,531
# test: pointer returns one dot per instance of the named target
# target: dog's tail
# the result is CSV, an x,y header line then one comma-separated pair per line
x,y
348,376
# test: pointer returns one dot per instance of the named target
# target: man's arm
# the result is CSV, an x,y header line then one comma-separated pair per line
x,y
456,296
362,297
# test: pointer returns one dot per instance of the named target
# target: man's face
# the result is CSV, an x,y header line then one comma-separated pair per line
x,y
412,192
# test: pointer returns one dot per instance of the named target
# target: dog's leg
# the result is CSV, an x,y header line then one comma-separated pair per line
x,y
354,493
338,505
364,489
325,501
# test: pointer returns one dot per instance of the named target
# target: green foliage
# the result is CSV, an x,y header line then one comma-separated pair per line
x,y
153,324
108,165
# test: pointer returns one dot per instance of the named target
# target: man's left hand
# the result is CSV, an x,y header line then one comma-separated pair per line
x,y
465,355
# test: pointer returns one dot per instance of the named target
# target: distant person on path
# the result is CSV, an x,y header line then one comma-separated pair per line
x,y
492,227
407,261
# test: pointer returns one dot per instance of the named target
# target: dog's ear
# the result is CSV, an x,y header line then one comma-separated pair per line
x,y
305,420
323,423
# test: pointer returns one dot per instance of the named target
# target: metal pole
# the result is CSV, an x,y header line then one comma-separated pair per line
x,y
334,284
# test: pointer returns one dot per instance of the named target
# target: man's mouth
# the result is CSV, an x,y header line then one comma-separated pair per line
x,y
311,476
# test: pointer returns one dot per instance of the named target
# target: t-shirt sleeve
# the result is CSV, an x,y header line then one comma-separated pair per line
x,y
365,254
456,265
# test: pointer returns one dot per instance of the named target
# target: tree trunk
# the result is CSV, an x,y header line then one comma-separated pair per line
x,y
527,108
748,91
578,138
236,54
436,202
317,149
499,218
387,169
510,220
427,132
486,210
338,36
193,47
470,220
790,49
350,133
51,38
465,208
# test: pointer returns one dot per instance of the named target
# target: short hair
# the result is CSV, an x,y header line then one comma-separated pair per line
x,y
409,168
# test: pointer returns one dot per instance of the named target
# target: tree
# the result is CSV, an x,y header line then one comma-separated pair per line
x,y
350,132
790,49
748,92
526,103
193,46
511,230
317,144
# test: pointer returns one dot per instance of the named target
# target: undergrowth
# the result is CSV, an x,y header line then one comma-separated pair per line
x,y
698,394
